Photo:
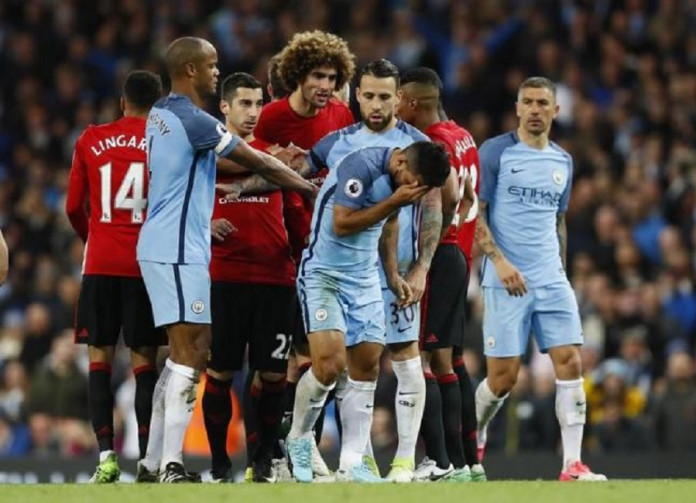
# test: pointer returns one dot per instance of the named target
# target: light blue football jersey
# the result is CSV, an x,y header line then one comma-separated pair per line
x,y
182,142
360,180
525,189
331,149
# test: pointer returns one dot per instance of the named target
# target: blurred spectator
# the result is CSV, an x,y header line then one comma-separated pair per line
x,y
13,390
610,382
674,415
618,433
14,437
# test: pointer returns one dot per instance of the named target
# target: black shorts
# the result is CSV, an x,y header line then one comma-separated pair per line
x,y
260,316
300,342
108,304
443,307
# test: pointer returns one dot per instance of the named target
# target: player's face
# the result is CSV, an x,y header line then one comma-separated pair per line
x,y
242,112
405,106
405,171
377,99
319,85
207,71
536,109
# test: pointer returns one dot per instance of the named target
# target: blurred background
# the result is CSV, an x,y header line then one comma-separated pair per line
x,y
626,76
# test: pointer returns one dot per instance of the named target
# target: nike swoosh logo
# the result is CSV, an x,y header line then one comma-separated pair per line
x,y
402,393
312,400
369,406
513,170
402,330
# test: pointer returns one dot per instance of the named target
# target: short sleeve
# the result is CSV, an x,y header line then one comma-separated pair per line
x,y
565,197
353,180
319,155
207,133
489,158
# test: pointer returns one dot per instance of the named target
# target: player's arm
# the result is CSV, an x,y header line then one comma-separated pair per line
x,y
77,193
351,220
467,201
430,231
270,169
4,259
388,244
509,275
450,198
562,232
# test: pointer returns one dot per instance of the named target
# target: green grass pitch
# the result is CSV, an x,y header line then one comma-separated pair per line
x,y
662,491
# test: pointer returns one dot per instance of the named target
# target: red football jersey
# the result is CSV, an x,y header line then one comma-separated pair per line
x,y
463,153
258,250
280,124
110,167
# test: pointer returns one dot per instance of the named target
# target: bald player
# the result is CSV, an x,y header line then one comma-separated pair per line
x,y
174,245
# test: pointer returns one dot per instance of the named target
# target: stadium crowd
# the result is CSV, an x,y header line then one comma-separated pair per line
x,y
626,77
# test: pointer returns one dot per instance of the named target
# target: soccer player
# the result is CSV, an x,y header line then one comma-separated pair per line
x,y
109,175
525,187
174,243
312,66
253,299
339,287
449,422
377,95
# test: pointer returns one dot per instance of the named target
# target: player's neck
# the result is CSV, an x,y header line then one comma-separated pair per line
x,y
426,120
190,92
300,105
246,137
135,114
539,142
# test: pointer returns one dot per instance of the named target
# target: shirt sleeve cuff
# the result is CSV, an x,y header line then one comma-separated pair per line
x,y
227,144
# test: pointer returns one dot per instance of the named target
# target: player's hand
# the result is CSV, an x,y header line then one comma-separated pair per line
x,y
220,228
416,278
408,194
401,289
510,277
292,155
230,190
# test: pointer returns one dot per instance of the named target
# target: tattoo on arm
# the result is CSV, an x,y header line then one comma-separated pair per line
x,y
254,184
430,227
484,236
562,232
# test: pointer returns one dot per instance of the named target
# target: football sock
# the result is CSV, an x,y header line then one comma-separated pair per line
x,y
409,404
101,404
152,458
452,418
217,413
357,409
570,411
270,413
309,401
487,406
250,412
180,399
145,380
432,429
468,413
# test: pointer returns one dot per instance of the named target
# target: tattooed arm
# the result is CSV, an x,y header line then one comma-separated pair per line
x,y
509,275
562,232
430,229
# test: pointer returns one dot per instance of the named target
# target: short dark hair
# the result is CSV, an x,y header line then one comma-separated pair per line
x,y
538,83
432,162
142,89
236,80
278,88
422,75
381,69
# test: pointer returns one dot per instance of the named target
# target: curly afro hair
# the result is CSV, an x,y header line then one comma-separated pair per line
x,y
312,49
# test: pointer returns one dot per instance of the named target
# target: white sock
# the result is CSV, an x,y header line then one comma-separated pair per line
x,y
356,416
180,399
104,454
152,458
409,404
570,411
487,406
309,400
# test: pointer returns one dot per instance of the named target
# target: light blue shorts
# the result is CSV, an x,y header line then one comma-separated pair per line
x,y
178,292
549,312
403,324
353,307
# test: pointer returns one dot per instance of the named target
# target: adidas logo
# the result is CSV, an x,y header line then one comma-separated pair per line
x,y
432,338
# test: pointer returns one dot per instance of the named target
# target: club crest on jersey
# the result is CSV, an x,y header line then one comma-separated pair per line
x,y
557,177
197,306
354,187
490,341
321,314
